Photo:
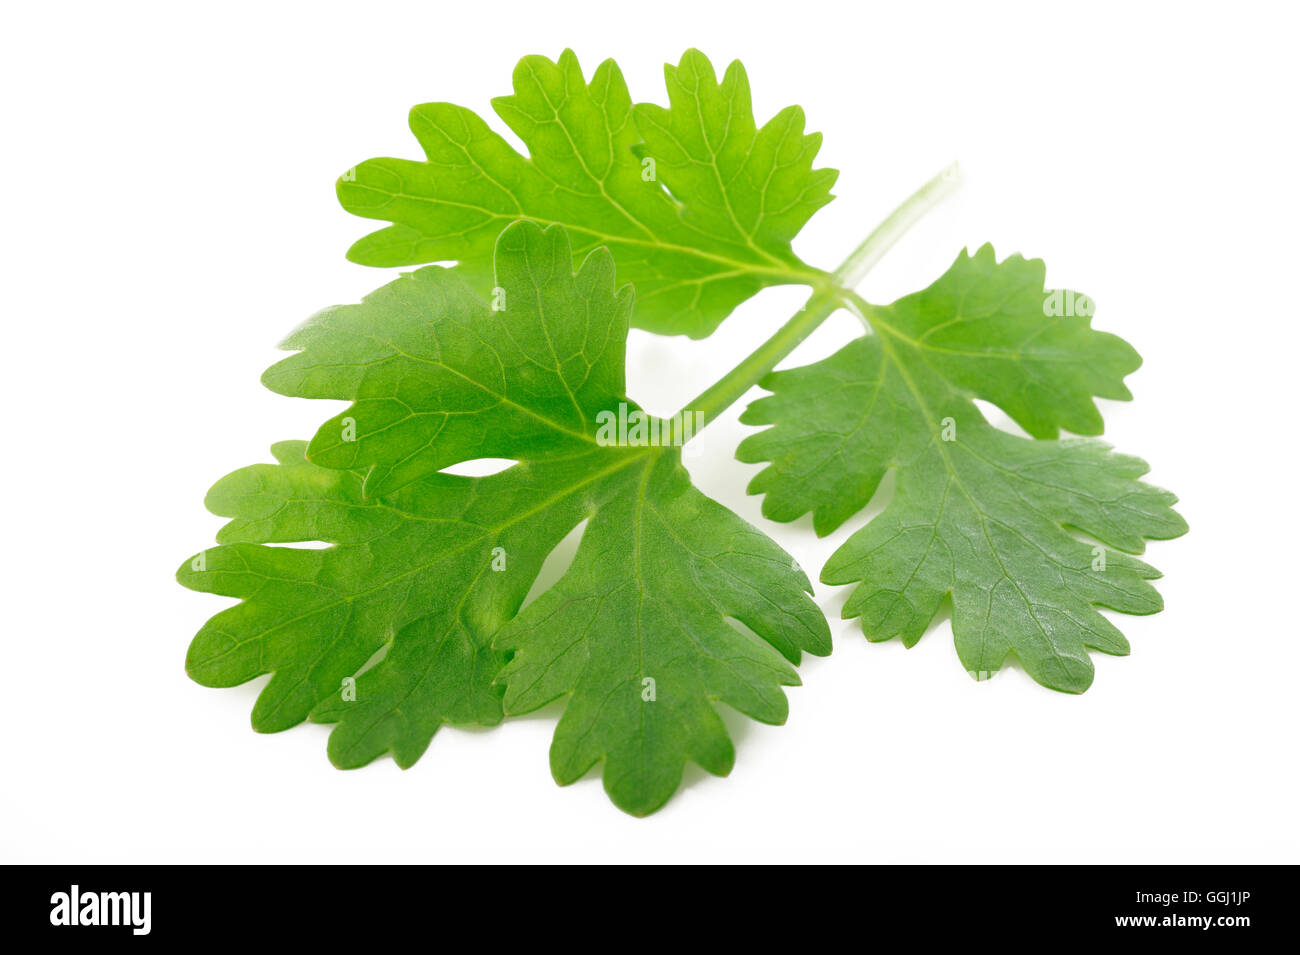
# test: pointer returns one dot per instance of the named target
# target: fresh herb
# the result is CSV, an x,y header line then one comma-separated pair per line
x,y
635,633
978,515
415,615
696,202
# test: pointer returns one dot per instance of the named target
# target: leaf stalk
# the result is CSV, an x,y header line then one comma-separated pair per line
x,y
824,301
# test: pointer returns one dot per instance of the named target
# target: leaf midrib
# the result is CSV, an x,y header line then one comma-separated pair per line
x,y
804,275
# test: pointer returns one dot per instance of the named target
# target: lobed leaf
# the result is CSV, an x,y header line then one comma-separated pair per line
x,y
696,202
405,621
983,517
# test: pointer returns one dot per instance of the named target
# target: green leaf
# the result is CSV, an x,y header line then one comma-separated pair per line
x,y
425,567
637,631
989,519
696,202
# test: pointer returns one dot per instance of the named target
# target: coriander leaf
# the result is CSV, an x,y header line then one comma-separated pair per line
x,y
426,567
637,632
438,376
696,202
978,515
411,572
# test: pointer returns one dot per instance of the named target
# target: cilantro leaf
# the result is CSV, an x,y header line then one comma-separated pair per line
x,y
637,632
978,515
425,567
414,615
697,203
413,568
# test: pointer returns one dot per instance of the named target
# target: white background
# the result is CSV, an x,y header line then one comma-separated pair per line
x,y
168,215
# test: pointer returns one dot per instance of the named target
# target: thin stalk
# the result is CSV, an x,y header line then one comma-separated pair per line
x,y
873,248
825,299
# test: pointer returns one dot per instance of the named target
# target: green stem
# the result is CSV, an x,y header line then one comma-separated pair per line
x,y
825,299
728,389
862,259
